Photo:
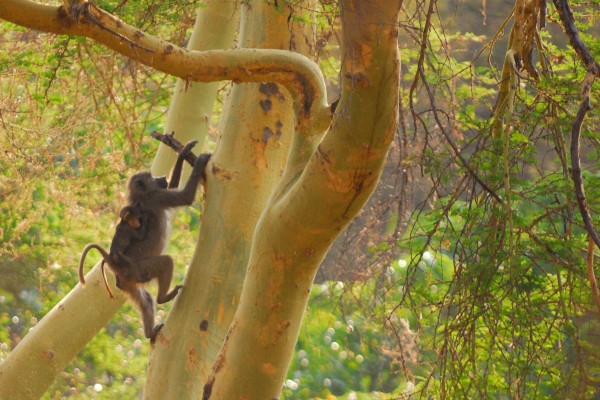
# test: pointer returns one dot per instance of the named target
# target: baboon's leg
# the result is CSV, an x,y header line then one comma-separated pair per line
x,y
161,268
145,303
155,331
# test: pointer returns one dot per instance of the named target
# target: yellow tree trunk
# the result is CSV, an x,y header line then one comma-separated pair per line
x,y
277,237
255,133
45,351
311,206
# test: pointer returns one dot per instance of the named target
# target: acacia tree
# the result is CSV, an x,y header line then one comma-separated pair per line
x,y
287,176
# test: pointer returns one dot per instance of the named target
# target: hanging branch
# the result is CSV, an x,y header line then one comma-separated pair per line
x,y
446,135
593,72
576,170
591,274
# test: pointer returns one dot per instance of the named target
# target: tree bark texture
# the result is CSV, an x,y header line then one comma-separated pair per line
x,y
298,74
255,132
259,249
310,208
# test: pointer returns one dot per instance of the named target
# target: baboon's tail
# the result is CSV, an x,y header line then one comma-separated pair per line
x,y
87,248
110,293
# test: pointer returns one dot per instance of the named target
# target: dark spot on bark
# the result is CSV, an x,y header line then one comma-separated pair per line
x,y
168,49
48,355
63,17
219,173
203,325
308,90
278,126
267,134
324,156
359,79
266,105
208,388
269,88
138,34
334,104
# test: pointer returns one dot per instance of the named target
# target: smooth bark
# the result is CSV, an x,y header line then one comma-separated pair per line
x,y
280,236
35,363
298,74
43,354
311,207
255,133
192,102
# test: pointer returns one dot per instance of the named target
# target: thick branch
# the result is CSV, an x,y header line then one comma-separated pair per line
x,y
297,73
311,206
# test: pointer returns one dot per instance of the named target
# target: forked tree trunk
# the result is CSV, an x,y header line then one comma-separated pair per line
x,y
278,193
312,204
255,133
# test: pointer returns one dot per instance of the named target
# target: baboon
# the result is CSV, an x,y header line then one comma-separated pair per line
x,y
137,260
132,226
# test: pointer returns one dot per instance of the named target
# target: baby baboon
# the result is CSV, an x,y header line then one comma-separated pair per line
x,y
130,227
137,260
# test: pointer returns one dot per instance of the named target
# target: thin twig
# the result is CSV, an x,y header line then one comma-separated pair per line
x,y
457,152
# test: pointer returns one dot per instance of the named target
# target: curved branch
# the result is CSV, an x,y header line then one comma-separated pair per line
x,y
576,170
446,135
568,22
593,72
298,74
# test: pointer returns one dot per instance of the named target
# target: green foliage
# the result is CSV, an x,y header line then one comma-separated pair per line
x,y
341,350
476,299
503,308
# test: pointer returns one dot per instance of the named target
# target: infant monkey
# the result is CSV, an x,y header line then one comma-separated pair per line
x,y
132,226
135,254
